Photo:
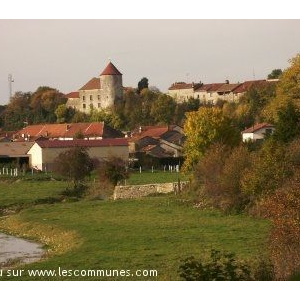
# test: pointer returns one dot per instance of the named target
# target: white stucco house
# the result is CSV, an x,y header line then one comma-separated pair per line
x,y
43,153
257,132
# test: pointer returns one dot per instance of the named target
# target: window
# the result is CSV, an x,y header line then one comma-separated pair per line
x,y
99,105
269,131
83,98
91,97
98,97
198,96
83,105
91,105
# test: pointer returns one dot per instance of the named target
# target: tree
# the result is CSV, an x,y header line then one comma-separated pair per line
x,y
17,113
205,127
287,126
275,74
74,164
114,169
288,89
163,109
142,84
64,113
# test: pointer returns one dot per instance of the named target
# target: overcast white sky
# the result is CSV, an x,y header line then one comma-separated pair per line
x,y
65,54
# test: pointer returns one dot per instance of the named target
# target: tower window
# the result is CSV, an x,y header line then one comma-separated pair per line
x,y
83,105
83,98
98,97
91,97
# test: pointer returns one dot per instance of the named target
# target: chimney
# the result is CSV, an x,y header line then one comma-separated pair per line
x,y
227,81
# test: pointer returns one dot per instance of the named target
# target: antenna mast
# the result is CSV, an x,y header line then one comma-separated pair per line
x,y
10,81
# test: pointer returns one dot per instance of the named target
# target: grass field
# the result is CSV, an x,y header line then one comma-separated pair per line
x,y
156,177
25,192
152,233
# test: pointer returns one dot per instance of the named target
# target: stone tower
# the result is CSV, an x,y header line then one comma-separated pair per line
x,y
111,86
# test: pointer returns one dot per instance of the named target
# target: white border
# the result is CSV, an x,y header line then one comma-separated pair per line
x,y
154,9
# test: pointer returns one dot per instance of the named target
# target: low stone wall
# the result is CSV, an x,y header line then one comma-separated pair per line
x,y
138,191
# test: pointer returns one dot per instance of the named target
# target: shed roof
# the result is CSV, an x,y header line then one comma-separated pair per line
x,y
15,149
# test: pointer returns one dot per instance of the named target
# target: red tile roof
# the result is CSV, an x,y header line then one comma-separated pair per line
x,y
244,87
63,130
72,95
210,87
152,131
257,127
228,87
110,70
183,85
83,143
93,84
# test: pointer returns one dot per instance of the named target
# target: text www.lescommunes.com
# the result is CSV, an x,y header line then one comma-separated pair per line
x,y
60,272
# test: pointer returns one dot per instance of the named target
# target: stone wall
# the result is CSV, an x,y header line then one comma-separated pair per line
x,y
138,191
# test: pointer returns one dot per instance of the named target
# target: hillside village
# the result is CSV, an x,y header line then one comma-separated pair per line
x,y
208,162
147,146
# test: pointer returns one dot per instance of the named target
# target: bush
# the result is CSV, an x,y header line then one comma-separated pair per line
x,y
218,176
207,175
74,164
224,266
113,170
283,208
221,266
235,165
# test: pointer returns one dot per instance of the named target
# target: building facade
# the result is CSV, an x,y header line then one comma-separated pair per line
x,y
212,92
42,154
101,92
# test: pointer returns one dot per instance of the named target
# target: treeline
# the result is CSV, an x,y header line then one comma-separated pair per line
x,y
257,178
31,108
139,107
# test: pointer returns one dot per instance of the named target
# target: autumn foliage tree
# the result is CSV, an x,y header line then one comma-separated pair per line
x,y
204,127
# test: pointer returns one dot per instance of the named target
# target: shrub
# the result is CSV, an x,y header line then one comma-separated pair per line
x,y
75,164
269,167
219,267
283,208
208,172
235,165
114,169
218,176
224,266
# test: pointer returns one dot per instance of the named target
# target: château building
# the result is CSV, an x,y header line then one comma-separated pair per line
x,y
100,92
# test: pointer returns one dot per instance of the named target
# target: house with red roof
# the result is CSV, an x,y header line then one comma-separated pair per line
x,y
156,145
258,132
43,153
100,92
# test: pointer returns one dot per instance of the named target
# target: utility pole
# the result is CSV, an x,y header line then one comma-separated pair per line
x,y
10,81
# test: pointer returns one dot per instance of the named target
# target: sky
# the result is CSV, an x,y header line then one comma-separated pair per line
x,y
65,54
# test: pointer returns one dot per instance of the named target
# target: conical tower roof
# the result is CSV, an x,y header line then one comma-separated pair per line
x,y
110,70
